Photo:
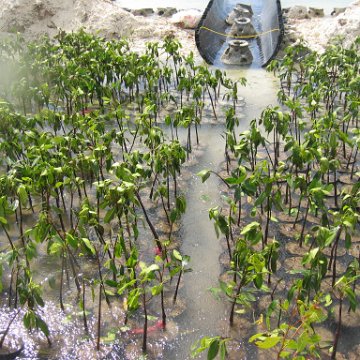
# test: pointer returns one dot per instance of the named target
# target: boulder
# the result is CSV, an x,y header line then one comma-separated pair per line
x,y
316,12
338,10
298,12
143,12
187,19
166,12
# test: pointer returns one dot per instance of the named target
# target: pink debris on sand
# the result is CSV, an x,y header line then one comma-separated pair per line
x,y
157,251
159,325
187,19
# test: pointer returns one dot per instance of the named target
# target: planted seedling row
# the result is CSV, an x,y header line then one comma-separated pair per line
x,y
91,187
289,220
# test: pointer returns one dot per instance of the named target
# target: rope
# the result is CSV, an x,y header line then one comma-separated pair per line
x,y
239,37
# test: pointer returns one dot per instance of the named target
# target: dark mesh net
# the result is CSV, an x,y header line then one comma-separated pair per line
x,y
212,32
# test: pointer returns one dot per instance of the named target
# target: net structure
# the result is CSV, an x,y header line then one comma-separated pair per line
x,y
213,33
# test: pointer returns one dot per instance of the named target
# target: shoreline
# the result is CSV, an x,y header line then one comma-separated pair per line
x,y
108,19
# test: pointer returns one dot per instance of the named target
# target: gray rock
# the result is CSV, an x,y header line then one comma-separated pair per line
x,y
298,12
285,10
338,10
166,12
342,22
316,12
143,12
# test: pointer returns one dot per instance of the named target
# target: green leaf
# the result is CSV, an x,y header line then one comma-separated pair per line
x,y
109,338
89,246
351,297
204,175
261,198
29,319
55,248
109,293
41,324
152,267
269,342
111,283
233,181
23,197
205,198
213,349
109,215
173,215
176,254
156,290
223,350
71,240
347,241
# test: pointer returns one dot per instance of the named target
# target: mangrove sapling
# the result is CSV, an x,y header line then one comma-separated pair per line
x,y
232,208
355,144
176,213
146,277
30,295
316,191
181,262
6,210
160,288
296,337
343,290
353,270
62,243
211,82
344,221
254,139
277,122
221,226
271,193
241,185
148,221
249,268
167,161
230,137
315,264
172,47
271,253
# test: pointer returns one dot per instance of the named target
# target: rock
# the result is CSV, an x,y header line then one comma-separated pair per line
x,y
298,12
166,12
342,22
338,10
143,12
290,37
42,10
317,33
316,12
285,10
14,20
187,19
